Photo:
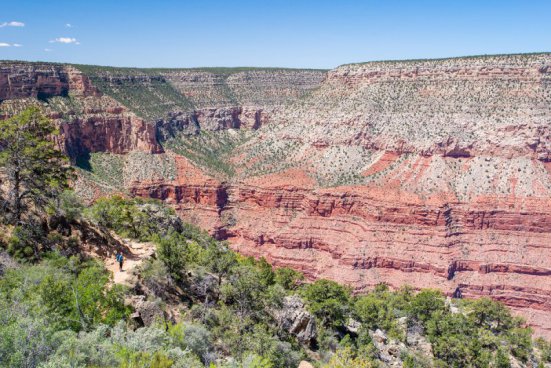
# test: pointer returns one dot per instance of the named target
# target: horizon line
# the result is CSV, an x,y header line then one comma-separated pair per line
x,y
244,68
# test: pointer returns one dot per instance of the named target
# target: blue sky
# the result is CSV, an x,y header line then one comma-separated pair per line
x,y
282,33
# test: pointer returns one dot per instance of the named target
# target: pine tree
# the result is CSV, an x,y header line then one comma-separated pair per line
x,y
34,170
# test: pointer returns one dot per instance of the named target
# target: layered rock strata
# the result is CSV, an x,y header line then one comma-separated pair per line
x,y
89,121
24,80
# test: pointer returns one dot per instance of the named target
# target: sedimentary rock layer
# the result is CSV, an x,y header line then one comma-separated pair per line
x,y
459,107
89,122
40,80
244,86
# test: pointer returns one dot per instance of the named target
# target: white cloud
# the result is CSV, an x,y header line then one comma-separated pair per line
x,y
12,24
17,45
48,50
5,44
66,40
68,25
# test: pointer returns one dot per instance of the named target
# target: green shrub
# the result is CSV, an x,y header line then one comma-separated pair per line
x,y
426,303
545,349
288,278
489,314
373,312
156,277
68,293
328,300
70,206
27,241
521,343
171,250
502,359
245,291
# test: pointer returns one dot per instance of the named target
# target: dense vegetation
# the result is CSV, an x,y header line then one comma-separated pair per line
x,y
60,307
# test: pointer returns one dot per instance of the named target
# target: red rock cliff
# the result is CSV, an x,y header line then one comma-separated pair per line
x,y
89,122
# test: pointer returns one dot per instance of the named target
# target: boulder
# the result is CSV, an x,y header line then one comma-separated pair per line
x,y
353,326
389,350
295,319
146,313
415,339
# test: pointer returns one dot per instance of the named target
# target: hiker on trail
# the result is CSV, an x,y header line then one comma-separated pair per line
x,y
120,259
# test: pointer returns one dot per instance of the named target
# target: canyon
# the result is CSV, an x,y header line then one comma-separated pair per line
x,y
428,173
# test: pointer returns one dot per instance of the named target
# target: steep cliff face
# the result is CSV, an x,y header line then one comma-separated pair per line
x,y
363,236
101,124
212,119
89,122
24,80
431,173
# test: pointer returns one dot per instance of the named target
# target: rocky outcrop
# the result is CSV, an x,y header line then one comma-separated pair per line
x,y
392,352
146,313
89,122
40,80
104,132
296,320
197,204
213,119
389,351
234,117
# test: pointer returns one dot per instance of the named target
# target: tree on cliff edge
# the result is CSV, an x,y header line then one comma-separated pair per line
x,y
34,172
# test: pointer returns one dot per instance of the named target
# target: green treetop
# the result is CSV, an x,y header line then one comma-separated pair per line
x,y
35,171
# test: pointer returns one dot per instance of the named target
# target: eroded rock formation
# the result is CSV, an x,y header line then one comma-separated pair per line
x,y
38,80
89,122
296,320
